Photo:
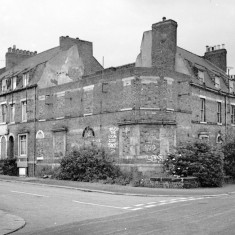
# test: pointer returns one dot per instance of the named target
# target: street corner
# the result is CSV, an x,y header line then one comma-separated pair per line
x,y
10,223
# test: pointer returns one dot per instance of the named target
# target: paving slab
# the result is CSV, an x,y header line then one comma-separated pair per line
x,y
10,223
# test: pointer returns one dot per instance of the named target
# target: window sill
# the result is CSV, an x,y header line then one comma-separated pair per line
x,y
219,124
203,122
11,123
3,123
24,120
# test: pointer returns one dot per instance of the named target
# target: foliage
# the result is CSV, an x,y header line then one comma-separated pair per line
x,y
49,171
229,158
197,159
8,166
88,164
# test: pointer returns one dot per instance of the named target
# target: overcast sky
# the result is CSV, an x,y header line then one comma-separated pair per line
x,y
115,26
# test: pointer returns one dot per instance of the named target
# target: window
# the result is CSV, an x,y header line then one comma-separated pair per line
x,y
24,110
23,145
233,114
217,82
230,86
201,76
203,110
4,85
12,112
4,112
13,83
25,79
219,116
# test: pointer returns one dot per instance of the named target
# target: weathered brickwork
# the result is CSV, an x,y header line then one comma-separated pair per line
x,y
139,114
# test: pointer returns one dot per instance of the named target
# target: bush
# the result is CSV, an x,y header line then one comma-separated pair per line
x,y
8,166
197,159
49,171
88,164
229,158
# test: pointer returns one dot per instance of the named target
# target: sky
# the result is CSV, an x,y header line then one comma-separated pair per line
x,y
115,26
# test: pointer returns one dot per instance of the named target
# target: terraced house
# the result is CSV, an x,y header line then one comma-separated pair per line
x,y
62,98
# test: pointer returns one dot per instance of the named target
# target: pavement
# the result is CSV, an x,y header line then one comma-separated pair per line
x,y
10,223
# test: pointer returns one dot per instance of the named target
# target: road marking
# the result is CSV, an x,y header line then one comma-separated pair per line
x,y
93,204
150,206
151,202
139,205
32,194
135,209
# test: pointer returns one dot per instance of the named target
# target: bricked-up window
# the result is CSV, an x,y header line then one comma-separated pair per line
x,y
12,112
233,114
24,110
25,79
203,110
23,145
219,114
201,76
217,82
4,112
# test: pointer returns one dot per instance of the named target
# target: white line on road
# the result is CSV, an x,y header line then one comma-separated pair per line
x,y
32,194
139,205
93,204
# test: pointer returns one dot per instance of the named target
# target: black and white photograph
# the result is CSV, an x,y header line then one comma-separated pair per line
x,y
117,117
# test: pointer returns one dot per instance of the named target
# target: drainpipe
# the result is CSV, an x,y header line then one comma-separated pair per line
x,y
34,147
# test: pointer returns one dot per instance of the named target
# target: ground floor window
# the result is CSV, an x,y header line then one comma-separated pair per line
x,y
23,145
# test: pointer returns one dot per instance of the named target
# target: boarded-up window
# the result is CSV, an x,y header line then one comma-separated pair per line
x,y
59,144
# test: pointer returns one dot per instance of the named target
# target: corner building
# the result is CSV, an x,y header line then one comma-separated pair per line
x,y
63,98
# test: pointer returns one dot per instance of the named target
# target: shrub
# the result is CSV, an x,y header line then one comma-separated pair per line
x,y
51,171
88,164
9,166
197,159
229,158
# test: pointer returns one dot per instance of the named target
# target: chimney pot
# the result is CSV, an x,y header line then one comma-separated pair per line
x,y
163,18
223,46
218,47
9,49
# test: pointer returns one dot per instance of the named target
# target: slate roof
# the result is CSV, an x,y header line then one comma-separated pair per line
x,y
31,63
210,70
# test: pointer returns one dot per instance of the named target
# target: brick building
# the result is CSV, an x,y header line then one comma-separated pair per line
x,y
63,98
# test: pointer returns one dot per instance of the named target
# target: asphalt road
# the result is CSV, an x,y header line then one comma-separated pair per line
x,y
48,210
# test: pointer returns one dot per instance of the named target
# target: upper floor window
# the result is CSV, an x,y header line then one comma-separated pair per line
x,y
13,83
24,110
217,82
230,86
233,114
25,79
12,112
4,112
219,115
201,76
203,110
4,84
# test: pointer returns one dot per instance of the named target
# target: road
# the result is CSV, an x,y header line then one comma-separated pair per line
x,y
49,210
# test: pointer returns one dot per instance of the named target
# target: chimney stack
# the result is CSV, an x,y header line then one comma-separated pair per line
x,y
15,56
164,43
217,55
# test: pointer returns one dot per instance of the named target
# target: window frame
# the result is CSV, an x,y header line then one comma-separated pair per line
x,y
203,110
25,79
24,111
232,114
4,120
219,112
201,78
217,82
4,88
20,146
12,111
